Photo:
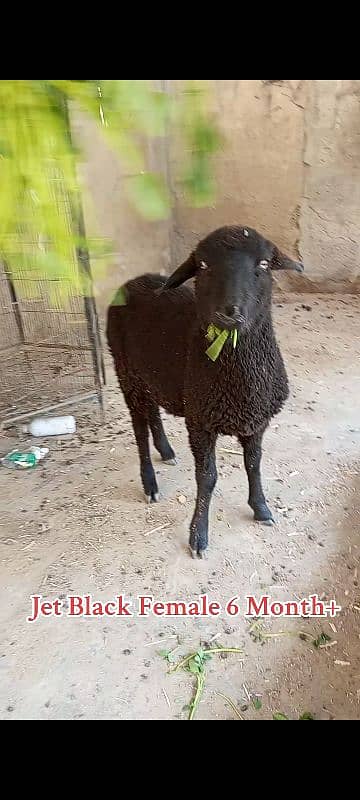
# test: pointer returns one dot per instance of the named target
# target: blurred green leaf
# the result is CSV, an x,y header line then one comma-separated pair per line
x,y
194,668
279,716
39,193
323,639
167,655
206,138
149,195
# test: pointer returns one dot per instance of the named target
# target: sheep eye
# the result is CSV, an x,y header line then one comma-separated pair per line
x,y
264,264
203,265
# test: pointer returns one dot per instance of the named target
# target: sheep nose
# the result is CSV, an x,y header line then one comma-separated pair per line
x,y
232,311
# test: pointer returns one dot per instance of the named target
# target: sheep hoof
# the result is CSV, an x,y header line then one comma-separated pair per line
x,y
198,554
172,462
152,498
269,523
263,514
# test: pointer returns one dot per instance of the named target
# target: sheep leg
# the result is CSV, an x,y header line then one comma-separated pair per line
x,y
202,444
141,431
252,454
159,437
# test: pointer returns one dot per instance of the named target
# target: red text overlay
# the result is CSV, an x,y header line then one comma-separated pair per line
x,y
145,606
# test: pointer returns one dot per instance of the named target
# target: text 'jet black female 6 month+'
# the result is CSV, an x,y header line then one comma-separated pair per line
x,y
209,355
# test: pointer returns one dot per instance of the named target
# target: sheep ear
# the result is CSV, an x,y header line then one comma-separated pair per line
x,y
187,270
280,261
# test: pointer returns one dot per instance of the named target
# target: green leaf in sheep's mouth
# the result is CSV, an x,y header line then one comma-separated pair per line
x,y
218,338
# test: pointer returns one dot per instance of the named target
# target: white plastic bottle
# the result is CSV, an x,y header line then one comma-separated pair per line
x,y
51,426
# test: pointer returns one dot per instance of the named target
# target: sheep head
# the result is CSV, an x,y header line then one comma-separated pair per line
x,y
232,269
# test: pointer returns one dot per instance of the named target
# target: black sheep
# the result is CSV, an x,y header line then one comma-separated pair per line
x,y
160,339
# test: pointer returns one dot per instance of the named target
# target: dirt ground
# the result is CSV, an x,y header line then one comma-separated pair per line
x,y
78,525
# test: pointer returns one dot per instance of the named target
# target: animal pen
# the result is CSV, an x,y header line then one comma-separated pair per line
x,y
50,354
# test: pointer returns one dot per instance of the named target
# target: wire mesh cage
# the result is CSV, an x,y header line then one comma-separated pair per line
x,y
50,352
49,357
